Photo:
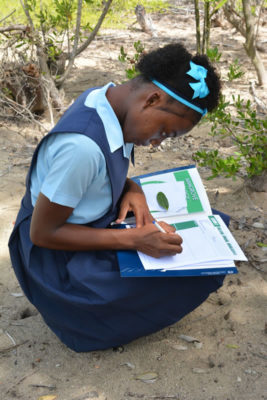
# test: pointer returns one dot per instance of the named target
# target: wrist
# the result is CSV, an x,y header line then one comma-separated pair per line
x,y
126,239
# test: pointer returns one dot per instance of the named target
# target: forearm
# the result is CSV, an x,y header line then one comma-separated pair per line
x,y
49,229
76,237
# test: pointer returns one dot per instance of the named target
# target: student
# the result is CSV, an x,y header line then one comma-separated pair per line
x,y
62,247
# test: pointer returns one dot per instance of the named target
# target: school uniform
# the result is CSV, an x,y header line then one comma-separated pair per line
x,y
80,294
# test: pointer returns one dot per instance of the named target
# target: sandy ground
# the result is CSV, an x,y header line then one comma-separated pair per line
x,y
228,359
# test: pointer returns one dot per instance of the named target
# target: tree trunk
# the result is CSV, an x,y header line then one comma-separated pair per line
x,y
250,44
197,19
48,82
206,28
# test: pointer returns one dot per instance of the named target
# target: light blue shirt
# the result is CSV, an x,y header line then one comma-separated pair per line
x,y
71,168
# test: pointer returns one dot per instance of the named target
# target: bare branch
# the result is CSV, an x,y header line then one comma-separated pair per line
x,y
24,112
258,101
234,19
75,45
10,28
259,17
96,28
3,19
25,7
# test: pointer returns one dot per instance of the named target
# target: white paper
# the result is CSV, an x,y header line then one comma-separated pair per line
x,y
202,244
173,190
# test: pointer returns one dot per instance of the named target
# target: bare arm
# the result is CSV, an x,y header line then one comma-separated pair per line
x,y
49,229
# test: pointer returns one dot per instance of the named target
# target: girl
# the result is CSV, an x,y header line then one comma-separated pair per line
x,y
62,248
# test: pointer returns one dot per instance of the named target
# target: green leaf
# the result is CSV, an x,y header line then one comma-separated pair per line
x,y
220,4
162,200
232,346
260,244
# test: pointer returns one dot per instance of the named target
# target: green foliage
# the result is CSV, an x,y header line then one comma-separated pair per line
x,y
239,121
235,70
214,54
131,62
119,15
219,4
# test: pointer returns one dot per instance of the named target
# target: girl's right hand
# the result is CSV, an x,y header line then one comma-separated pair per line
x,y
151,241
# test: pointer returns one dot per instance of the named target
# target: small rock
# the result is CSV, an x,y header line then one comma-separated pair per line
x,y
211,362
198,345
238,379
129,365
259,225
179,347
199,371
189,339
118,349
227,315
250,371
19,294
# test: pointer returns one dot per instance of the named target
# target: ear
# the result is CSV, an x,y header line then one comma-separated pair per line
x,y
153,98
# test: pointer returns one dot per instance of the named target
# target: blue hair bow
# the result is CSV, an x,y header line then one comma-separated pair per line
x,y
199,73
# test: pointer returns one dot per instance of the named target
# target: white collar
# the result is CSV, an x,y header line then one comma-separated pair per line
x,y
97,99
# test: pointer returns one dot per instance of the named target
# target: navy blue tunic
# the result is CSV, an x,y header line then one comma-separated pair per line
x,y
80,294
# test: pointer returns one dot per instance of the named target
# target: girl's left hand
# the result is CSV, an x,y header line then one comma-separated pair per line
x,y
134,200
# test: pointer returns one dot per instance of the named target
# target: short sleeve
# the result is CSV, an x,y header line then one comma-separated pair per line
x,y
74,161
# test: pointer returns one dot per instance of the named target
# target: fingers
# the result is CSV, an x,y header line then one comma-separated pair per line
x,y
167,228
158,244
142,217
122,214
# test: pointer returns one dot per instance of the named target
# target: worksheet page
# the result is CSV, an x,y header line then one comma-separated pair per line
x,y
175,193
205,241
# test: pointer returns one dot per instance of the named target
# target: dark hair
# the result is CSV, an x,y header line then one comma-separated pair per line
x,y
169,65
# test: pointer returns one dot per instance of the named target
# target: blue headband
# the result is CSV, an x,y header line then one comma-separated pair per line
x,y
200,88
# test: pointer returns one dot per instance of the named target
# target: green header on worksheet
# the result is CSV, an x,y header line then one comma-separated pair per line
x,y
226,239
185,225
192,198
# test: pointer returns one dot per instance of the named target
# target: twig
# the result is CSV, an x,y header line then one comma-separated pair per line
x,y
259,355
251,262
13,28
258,101
19,109
3,19
11,338
21,380
13,347
25,7
50,387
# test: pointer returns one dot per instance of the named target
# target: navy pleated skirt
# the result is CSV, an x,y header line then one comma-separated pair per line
x,y
86,303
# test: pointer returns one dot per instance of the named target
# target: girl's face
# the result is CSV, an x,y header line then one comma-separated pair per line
x,y
156,119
